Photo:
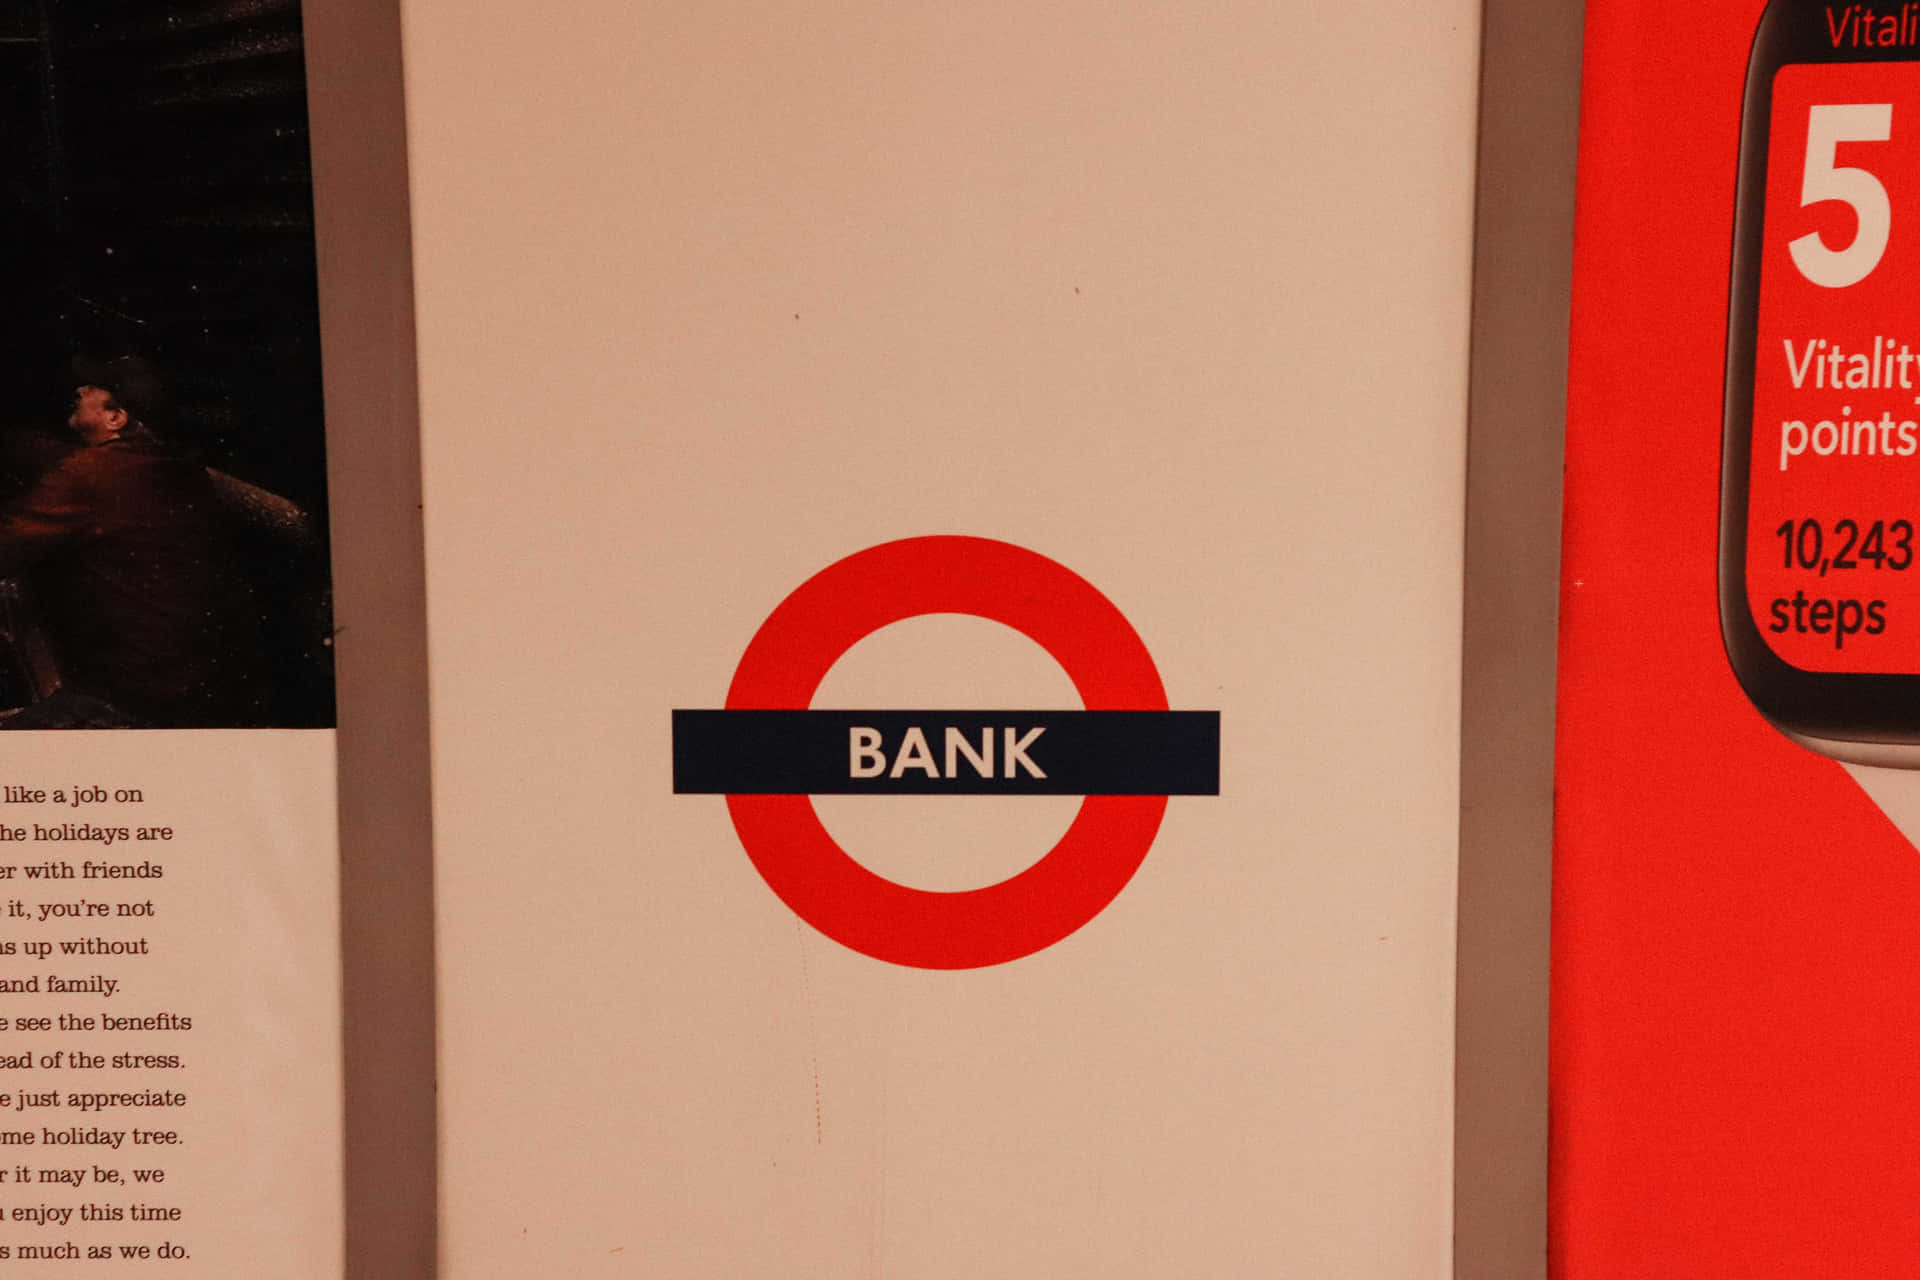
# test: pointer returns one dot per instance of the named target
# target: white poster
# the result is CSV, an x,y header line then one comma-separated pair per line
x,y
170,1010
1071,344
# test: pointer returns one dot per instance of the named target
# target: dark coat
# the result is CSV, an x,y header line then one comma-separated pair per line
x,y
125,552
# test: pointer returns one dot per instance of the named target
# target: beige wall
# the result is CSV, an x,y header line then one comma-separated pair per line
x,y
709,297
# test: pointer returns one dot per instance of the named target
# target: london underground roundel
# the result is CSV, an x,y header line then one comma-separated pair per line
x,y
767,752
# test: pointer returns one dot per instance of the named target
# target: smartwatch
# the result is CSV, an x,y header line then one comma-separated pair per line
x,y
1820,474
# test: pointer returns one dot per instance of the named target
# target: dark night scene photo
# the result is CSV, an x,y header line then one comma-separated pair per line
x,y
163,501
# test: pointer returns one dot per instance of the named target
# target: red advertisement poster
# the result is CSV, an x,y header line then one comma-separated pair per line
x,y
1736,1088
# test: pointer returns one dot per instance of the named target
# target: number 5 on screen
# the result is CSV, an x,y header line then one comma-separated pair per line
x,y
1827,127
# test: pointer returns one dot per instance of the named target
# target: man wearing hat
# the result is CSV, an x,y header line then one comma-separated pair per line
x,y
124,552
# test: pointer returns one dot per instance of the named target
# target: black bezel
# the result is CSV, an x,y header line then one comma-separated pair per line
x,y
1842,706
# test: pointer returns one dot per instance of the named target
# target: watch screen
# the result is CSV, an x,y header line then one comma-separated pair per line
x,y
1832,575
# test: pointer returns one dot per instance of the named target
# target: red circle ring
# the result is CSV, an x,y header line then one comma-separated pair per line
x,y
1050,604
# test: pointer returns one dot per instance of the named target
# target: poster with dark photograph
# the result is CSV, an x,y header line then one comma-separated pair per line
x,y
170,955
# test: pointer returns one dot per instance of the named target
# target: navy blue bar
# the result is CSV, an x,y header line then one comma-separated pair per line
x,y
1092,753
